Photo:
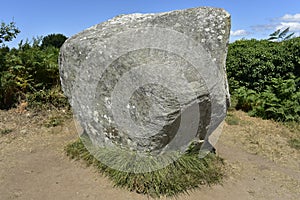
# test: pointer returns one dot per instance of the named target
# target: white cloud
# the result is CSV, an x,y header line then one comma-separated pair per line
x,y
288,20
294,26
285,21
291,18
240,32
291,21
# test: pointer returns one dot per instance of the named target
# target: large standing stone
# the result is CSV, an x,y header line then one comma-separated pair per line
x,y
149,82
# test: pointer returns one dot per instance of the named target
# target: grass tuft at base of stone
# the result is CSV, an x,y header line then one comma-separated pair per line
x,y
186,173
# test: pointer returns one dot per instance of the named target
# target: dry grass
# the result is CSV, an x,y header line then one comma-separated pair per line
x,y
264,137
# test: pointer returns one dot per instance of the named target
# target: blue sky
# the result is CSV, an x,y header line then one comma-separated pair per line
x,y
250,18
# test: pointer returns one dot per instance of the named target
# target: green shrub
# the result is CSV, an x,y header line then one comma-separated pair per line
x,y
54,40
264,78
279,101
253,63
28,71
246,98
47,99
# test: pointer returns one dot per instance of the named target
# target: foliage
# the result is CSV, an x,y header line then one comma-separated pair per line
x,y
186,173
28,72
54,40
253,63
8,32
295,143
279,35
47,99
264,78
279,101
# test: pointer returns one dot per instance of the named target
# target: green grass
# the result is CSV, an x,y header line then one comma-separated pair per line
x,y
53,121
5,131
295,143
231,119
294,127
186,173
56,117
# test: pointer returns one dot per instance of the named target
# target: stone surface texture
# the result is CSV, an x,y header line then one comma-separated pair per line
x,y
149,82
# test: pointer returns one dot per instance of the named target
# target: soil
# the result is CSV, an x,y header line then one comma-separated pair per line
x,y
33,165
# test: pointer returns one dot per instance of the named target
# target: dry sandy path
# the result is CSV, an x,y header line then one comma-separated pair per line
x,y
33,165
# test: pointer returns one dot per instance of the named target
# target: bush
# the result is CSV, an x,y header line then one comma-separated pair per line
x,y
253,63
279,101
264,78
53,40
27,70
47,99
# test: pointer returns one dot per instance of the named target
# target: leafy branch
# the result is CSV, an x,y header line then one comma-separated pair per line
x,y
281,35
8,32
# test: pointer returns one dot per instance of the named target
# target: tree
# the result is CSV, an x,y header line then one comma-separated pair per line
x,y
280,36
55,40
8,32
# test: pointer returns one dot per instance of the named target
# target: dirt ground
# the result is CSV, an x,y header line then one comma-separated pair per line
x,y
33,166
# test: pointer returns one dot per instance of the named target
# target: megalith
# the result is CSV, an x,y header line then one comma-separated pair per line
x,y
149,83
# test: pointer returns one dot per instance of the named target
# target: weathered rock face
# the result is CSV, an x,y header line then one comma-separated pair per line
x,y
149,82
